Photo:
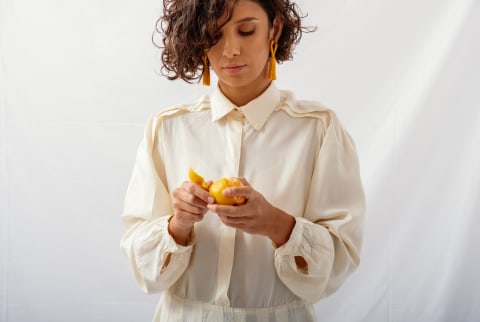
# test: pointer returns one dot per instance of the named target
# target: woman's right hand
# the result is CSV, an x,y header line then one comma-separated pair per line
x,y
189,206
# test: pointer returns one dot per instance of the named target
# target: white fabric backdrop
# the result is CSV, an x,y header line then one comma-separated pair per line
x,y
79,79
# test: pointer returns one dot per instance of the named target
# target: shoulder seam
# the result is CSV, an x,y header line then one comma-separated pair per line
x,y
302,108
317,110
156,119
180,109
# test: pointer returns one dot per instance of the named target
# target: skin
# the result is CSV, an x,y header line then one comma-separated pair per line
x,y
240,57
240,60
256,216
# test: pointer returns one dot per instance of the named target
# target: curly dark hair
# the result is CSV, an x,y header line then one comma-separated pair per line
x,y
186,27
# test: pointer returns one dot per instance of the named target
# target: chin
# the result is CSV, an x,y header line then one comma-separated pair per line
x,y
232,83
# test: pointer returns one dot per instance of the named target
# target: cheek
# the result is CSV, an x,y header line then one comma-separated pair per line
x,y
259,47
258,54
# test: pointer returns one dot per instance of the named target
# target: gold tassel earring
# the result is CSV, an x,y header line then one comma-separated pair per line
x,y
206,71
272,73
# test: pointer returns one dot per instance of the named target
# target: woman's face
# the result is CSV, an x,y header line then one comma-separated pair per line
x,y
240,57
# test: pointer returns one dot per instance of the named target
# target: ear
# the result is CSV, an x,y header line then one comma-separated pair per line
x,y
277,28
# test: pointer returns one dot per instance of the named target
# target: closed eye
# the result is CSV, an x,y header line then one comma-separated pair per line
x,y
246,33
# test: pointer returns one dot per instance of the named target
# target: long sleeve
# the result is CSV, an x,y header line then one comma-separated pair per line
x,y
297,145
329,234
157,261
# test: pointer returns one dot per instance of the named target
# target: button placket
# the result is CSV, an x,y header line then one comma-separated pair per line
x,y
233,136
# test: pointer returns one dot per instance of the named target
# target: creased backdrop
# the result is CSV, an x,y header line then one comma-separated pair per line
x,y
78,80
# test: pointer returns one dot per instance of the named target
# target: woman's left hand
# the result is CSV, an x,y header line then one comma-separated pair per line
x,y
256,216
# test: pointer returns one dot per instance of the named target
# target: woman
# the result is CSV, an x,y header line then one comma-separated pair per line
x,y
298,235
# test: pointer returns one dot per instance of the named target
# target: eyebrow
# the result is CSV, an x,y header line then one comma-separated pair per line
x,y
246,19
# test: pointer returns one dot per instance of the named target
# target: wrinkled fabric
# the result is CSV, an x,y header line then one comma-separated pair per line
x,y
298,155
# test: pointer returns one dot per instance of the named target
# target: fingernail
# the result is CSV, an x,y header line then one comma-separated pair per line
x,y
211,200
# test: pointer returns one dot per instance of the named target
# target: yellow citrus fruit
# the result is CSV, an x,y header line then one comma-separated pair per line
x,y
216,190
196,178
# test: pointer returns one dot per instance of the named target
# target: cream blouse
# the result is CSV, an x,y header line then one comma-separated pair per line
x,y
297,154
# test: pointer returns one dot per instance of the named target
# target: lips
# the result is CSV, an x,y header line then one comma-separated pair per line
x,y
234,68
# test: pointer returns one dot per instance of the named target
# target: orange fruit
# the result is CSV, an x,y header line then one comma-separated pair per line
x,y
216,190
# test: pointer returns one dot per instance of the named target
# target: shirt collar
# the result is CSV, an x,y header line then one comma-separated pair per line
x,y
256,111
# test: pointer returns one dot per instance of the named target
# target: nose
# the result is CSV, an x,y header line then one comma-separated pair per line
x,y
231,47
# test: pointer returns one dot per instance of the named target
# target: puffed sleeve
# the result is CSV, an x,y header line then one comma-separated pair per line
x,y
156,259
329,234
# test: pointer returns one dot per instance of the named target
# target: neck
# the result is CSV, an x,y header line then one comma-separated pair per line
x,y
241,96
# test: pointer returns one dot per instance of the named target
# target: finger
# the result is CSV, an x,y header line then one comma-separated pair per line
x,y
199,192
208,183
196,190
242,191
195,195
227,210
232,221
245,182
187,207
